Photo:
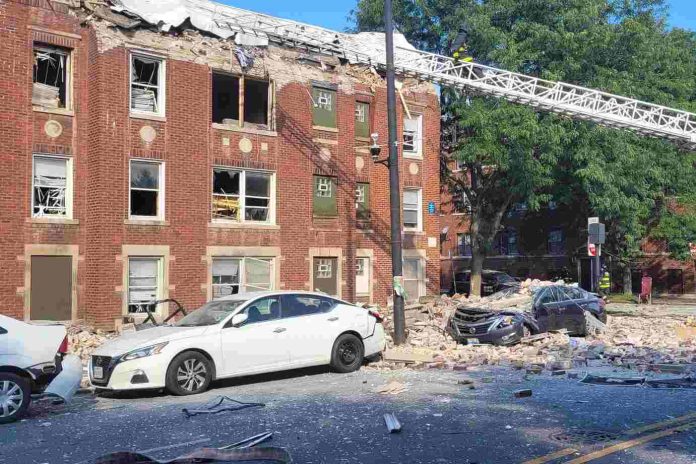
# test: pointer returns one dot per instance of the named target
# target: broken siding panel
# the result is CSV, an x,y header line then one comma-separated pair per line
x,y
324,113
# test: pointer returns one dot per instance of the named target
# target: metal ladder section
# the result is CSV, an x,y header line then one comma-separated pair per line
x,y
567,99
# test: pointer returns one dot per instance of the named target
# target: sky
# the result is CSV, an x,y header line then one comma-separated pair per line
x,y
333,14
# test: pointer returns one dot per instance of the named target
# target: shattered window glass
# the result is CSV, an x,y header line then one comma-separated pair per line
x,y
145,188
50,186
50,89
235,191
225,277
145,84
143,282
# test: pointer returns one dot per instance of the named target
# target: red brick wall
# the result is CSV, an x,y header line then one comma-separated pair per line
x,y
101,137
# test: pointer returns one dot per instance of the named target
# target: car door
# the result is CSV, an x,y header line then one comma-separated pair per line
x,y
573,309
545,309
258,345
311,327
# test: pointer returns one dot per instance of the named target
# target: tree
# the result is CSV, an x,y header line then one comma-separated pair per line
x,y
513,154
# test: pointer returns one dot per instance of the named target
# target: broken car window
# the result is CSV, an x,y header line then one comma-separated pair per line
x,y
50,186
144,189
145,84
50,88
210,313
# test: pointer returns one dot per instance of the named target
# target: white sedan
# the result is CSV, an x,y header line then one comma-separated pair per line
x,y
243,334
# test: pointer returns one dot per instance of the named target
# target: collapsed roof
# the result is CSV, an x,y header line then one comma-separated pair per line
x,y
248,28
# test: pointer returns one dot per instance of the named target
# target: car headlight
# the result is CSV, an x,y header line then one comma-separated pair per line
x,y
143,352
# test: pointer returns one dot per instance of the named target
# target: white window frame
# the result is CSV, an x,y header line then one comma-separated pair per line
x,y
68,187
160,190
325,99
417,151
325,268
162,86
271,219
421,276
68,73
159,279
243,284
324,187
419,227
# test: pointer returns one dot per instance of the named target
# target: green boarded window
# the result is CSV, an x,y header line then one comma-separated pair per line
x,y
324,107
362,201
362,119
325,196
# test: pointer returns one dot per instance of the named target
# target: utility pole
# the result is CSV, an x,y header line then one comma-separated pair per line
x,y
394,184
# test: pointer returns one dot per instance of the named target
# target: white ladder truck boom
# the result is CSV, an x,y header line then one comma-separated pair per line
x,y
558,97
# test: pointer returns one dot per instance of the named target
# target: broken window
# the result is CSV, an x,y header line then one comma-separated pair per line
x,y
146,199
235,275
413,135
225,98
237,191
51,74
324,113
51,187
413,278
412,209
362,201
144,282
229,91
147,82
362,119
325,196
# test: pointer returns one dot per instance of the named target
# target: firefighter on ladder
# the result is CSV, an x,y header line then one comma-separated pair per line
x,y
604,282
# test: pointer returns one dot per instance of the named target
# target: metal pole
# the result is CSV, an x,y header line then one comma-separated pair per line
x,y
394,190
598,268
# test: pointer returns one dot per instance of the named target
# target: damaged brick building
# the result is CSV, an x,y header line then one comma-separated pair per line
x,y
191,162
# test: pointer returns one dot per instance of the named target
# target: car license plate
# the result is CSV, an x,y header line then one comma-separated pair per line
x,y
98,372
472,341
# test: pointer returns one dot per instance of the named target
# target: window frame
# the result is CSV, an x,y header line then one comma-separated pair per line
x,y
363,215
159,278
161,86
559,244
464,245
241,123
271,217
333,182
419,225
314,93
68,75
242,284
160,190
417,152
68,186
364,124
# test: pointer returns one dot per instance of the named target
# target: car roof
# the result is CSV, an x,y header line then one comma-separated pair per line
x,y
244,296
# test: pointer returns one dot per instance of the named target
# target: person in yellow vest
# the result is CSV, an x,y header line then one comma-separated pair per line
x,y
604,282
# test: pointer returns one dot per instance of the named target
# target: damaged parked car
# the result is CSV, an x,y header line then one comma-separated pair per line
x,y
552,307
237,335
34,361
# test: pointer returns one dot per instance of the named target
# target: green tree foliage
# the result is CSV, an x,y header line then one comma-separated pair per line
x,y
514,154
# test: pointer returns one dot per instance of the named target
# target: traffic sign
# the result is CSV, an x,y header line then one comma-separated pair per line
x,y
591,249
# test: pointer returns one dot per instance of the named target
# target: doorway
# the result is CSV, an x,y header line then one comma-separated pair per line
x,y
51,288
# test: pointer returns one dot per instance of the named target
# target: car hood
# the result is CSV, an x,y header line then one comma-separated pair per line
x,y
142,338
475,315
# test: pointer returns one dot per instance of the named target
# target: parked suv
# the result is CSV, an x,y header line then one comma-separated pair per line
x,y
491,282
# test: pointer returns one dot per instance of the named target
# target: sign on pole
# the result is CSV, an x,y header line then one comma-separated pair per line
x,y
591,249
592,220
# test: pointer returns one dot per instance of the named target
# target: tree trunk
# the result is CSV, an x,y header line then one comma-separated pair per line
x,y
477,257
627,280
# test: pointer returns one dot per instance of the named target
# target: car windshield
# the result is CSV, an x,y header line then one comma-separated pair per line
x,y
210,313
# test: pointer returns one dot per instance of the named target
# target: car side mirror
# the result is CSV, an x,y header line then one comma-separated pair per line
x,y
239,319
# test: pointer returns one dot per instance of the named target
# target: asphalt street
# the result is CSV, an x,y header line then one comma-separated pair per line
x,y
319,416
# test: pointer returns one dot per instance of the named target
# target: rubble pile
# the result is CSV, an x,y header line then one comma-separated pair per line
x,y
84,339
638,340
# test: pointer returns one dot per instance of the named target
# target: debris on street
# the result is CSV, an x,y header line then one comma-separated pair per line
x,y
221,404
392,388
523,393
393,424
269,454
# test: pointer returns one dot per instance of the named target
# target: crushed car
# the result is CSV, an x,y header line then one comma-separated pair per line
x,y
34,361
506,317
491,282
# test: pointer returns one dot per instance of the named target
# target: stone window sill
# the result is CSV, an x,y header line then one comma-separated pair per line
x,y
244,226
58,111
146,222
325,129
149,117
245,130
57,221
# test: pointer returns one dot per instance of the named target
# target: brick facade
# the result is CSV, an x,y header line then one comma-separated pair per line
x,y
101,136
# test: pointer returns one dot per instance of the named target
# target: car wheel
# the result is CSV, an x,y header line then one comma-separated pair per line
x,y
347,354
15,394
189,373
